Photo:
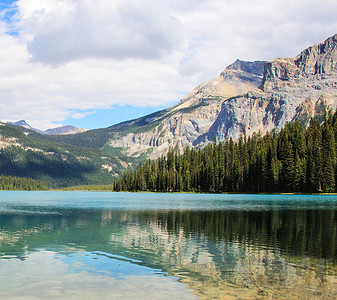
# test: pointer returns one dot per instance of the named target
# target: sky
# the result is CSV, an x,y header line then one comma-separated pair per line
x,y
95,63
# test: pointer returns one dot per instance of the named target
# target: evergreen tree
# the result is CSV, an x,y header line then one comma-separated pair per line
x,y
328,158
314,156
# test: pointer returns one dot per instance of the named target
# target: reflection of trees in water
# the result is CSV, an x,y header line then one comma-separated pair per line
x,y
305,232
294,233
280,254
211,251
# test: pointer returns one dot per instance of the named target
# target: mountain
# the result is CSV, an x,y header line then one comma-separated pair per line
x,y
246,97
24,124
68,129
56,164
292,89
193,117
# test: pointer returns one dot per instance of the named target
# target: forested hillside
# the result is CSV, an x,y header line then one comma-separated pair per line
x,y
295,160
56,164
8,183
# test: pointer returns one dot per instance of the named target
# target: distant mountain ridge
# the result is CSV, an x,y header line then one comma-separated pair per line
x,y
63,130
67,129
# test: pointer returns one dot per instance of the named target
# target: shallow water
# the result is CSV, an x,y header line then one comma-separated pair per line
x,y
87,245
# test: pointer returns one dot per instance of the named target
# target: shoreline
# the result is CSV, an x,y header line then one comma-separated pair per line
x,y
150,192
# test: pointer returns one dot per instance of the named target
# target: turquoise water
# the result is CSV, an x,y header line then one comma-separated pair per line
x,y
90,245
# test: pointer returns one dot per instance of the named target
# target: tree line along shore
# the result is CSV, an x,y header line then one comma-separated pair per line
x,y
9,183
296,160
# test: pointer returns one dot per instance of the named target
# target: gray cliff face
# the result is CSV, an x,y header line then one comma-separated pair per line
x,y
246,97
292,89
319,59
245,70
193,116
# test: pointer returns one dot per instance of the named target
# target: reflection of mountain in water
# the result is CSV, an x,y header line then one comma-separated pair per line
x,y
250,254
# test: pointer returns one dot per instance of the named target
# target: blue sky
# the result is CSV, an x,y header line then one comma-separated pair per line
x,y
93,64
101,118
9,11
6,4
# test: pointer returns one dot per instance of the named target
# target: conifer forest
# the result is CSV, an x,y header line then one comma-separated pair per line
x,y
9,183
297,159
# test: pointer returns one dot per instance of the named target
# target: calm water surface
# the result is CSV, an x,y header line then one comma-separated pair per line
x,y
87,245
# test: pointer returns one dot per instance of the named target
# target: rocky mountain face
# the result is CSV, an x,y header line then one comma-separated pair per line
x,y
246,97
193,117
292,89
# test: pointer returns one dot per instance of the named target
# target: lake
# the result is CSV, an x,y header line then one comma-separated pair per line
x,y
100,245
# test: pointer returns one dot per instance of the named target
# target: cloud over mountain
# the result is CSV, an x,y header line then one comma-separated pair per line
x,y
65,56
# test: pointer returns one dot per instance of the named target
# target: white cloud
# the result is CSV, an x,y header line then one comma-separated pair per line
x,y
83,114
64,30
79,55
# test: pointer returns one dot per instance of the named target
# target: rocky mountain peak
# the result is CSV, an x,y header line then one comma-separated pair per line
x,y
193,116
237,79
22,123
254,68
319,59
293,89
